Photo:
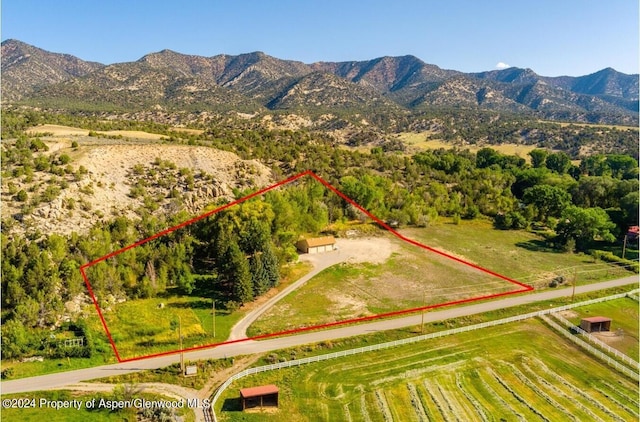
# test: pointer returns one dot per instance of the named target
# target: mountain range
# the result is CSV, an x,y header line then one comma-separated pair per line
x,y
255,82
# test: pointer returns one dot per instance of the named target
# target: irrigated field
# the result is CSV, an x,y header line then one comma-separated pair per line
x,y
519,371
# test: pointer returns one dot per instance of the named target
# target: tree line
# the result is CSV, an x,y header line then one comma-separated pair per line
x,y
240,253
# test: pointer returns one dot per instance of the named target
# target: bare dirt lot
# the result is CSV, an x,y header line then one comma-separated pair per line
x,y
374,250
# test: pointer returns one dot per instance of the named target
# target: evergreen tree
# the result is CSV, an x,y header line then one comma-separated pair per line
x,y
235,270
259,275
271,266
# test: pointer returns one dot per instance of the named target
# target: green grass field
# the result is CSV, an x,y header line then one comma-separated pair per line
x,y
147,326
518,254
413,277
518,371
624,315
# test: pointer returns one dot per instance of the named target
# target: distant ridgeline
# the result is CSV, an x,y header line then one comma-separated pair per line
x,y
383,91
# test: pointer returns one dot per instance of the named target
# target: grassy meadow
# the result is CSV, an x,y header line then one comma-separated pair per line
x,y
142,327
146,326
517,371
413,277
422,140
518,254
624,315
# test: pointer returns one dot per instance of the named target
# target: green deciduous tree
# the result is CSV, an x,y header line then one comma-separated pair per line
x,y
584,225
538,157
558,162
548,201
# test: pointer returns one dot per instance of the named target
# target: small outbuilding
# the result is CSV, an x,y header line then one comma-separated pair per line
x,y
317,244
263,396
595,324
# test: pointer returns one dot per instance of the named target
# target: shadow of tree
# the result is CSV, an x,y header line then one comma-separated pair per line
x,y
536,245
198,304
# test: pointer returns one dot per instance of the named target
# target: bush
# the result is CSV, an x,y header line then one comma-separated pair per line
x,y
22,196
607,256
556,281
511,220
231,305
6,373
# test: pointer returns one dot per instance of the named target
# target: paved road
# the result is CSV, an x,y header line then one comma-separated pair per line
x,y
249,346
319,262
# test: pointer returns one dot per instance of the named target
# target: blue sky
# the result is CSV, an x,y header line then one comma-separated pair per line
x,y
559,37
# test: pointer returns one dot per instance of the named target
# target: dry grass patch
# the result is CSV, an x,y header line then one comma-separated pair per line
x,y
422,140
407,277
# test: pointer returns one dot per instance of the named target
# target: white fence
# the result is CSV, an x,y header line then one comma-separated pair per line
x,y
606,358
597,342
396,343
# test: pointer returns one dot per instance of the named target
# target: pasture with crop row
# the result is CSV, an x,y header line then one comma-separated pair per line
x,y
519,371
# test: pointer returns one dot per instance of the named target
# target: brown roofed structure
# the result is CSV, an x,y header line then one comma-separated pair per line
x,y
316,244
265,395
595,324
597,319
258,391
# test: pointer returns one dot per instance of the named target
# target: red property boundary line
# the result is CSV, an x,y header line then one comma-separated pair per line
x,y
523,287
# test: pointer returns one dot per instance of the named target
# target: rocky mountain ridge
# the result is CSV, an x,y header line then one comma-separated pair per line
x,y
256,82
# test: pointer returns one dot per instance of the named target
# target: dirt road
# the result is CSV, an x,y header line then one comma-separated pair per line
x,y
373,250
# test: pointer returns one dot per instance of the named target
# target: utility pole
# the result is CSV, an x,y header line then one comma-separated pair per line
x,y
181,352
624,246
213,312
575,277
423,306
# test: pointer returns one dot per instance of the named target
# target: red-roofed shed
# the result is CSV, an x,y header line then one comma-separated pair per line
x,y
265,395
595,324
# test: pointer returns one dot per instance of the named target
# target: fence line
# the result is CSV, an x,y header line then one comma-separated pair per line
x,y
578,269
597,342
606,358
569,272
410,340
